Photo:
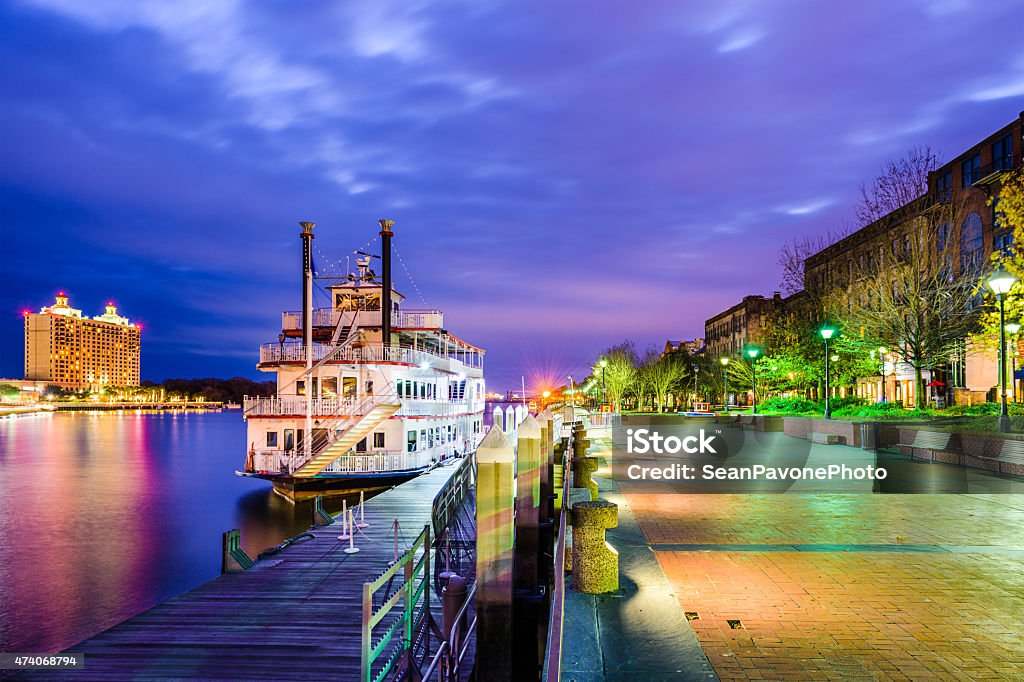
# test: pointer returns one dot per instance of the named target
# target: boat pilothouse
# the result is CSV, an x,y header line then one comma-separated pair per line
x,y
364,399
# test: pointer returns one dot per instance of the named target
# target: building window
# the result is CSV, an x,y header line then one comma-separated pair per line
x,y
1002,153
944,186
971,170
970,243
942,237
1003,242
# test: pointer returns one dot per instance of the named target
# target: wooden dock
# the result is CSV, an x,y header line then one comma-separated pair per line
x,y
294,616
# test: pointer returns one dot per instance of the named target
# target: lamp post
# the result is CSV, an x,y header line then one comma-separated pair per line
x,y
604,393
882,352
826,333
752,353
1013,328
725,381
1000,283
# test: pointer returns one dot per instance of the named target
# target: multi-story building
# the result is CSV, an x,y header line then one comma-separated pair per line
x,y
730,331
684,347
74,352
967,182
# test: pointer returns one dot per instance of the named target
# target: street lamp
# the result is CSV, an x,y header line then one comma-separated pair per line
x,y
1013,328
604,393
1000,283
725,381
752,353
826,333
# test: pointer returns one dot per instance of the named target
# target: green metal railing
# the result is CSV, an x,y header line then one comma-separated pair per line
x,y
414,594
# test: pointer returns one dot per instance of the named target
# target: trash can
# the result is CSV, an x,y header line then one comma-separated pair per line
x,y
869,435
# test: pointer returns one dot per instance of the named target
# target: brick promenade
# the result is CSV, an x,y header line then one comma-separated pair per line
x,y
816,587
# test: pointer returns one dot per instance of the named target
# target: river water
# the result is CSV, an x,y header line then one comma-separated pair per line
x,y
103,515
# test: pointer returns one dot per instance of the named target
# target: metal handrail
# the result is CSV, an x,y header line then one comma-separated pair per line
x,y
448,644
553,647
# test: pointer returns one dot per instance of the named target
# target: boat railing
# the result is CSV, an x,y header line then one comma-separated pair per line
x,y
291,320
263,406
276,461
274,353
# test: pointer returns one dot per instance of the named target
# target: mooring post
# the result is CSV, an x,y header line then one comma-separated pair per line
x,y
495,523
527,549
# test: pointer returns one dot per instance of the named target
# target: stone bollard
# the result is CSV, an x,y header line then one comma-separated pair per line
x,y
595,563
582,470
575,495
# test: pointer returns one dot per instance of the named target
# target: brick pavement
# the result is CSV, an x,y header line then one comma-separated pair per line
x,y
945,600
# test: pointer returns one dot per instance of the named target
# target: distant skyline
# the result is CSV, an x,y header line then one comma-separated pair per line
x,y
562,175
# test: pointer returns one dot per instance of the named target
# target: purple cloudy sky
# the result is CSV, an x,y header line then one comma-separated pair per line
x,y
563,174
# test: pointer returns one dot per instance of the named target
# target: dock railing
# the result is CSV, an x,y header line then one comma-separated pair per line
x,y
552,666
410,623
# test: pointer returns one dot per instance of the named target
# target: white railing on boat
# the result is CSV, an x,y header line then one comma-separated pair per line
x,y
296,405
272,461
291,320
434,408
273,353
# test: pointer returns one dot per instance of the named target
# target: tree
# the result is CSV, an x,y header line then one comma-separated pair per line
x,y
912,295
9,391
1009,208
619,373
794,253
658,374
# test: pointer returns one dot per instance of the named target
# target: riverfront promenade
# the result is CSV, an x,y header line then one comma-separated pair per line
x,y
293,616
829,586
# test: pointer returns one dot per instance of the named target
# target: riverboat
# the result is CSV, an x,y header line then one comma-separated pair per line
x,y
364,399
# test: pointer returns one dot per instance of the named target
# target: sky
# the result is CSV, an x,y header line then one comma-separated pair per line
x,y
563,175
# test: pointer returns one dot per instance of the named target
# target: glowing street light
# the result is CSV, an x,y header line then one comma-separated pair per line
x,y
752,353
725,381
604,393
1000,283
827,332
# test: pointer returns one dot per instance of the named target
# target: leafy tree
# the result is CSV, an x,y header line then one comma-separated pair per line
x,y
1009,208
619,372
9,391
658,374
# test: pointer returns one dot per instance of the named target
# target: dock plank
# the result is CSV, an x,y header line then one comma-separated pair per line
x,y
294,616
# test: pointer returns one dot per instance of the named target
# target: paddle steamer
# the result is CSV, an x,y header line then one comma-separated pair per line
x,y
364,399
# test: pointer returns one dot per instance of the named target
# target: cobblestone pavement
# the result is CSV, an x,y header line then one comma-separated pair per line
x,y
815,587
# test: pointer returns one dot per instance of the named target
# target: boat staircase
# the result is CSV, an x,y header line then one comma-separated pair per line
x,y
356,427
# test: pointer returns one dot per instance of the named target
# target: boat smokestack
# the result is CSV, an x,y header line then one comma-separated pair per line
x,y
307,281
385,294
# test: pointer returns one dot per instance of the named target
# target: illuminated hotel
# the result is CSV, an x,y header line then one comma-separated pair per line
x,y
74,352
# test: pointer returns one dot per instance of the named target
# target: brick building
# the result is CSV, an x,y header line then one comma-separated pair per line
x,y
728,332
967,181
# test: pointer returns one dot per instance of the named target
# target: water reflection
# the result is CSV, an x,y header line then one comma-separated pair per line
x,y
105,514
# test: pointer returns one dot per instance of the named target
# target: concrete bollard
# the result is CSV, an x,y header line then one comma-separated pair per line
x,y
595,563
582,470
575,495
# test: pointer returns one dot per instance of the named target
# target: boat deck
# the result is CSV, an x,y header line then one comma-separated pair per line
x,y
294,616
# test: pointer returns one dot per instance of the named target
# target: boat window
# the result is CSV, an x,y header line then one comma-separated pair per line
x,y
361,446
348,387
271,439
300,387
289,439
329,387
423,438
410,441
378,440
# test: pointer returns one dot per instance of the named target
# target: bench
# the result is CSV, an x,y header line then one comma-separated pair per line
x,y
825,438
931,440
